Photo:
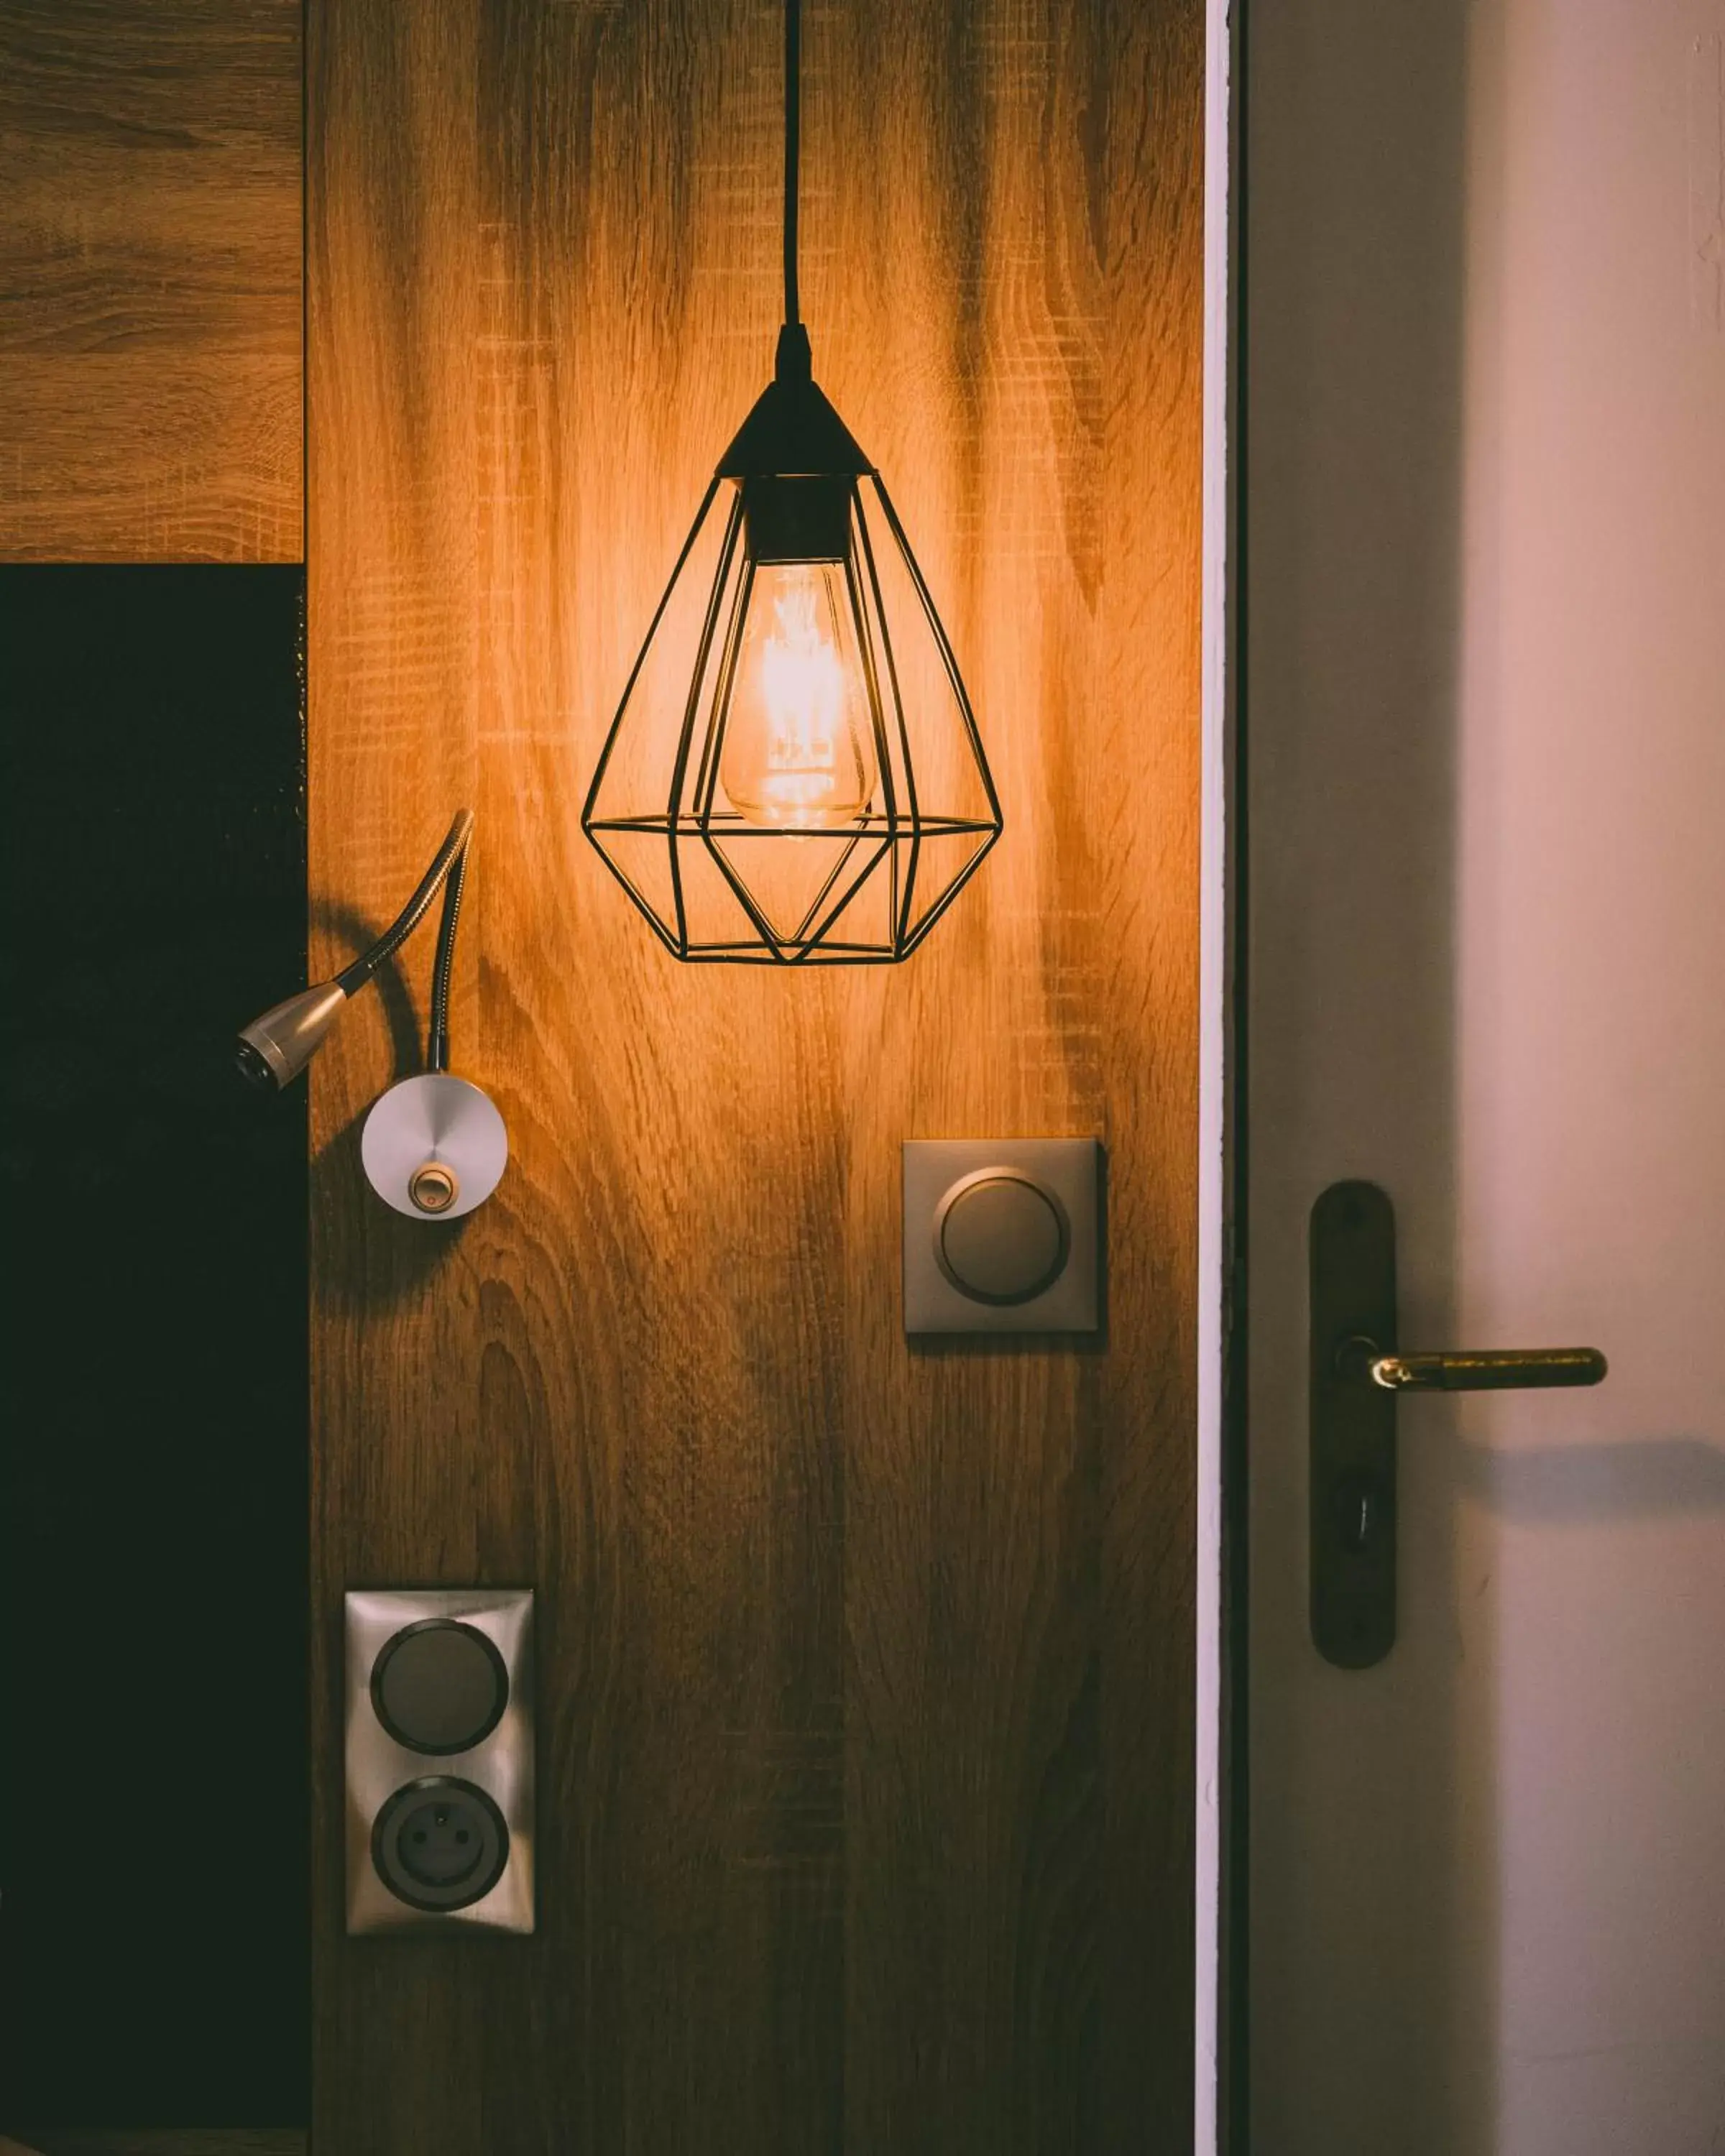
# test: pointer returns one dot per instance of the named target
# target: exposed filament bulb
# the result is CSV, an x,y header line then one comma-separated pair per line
x,y
799,752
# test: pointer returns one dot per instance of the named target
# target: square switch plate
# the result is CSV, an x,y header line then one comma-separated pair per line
x,y
1065,1174
385,1776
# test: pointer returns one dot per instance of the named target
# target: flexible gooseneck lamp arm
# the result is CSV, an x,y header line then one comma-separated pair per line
x,y
436,1054
274,1049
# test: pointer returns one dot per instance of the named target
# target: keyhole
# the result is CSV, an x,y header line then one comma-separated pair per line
x,y
1357,1505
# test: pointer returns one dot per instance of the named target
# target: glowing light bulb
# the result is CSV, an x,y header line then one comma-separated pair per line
x,y
799,747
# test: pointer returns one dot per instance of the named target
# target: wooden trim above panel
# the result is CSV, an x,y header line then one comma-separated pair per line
x,y
151,257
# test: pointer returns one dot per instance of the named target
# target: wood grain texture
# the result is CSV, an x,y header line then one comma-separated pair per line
x,y
865,1697
150,280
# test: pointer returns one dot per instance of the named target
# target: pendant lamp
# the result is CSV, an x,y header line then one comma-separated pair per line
x,y
794,775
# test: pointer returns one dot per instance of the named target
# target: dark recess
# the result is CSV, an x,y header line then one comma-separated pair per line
x,y
153,1528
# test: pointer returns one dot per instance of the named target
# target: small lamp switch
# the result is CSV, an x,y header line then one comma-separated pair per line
x,y
1002,1235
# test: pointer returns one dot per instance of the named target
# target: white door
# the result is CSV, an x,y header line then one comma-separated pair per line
x,y
1484,369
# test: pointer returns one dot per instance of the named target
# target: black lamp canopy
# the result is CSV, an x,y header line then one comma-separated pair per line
x,y
788,780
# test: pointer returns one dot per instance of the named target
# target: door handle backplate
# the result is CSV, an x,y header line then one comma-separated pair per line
x,y
1357,1370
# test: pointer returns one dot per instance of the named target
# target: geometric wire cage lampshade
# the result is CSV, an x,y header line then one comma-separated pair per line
x,y
794,775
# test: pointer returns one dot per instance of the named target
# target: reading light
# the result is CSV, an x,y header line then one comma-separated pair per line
x,y
794,774
274,1049
433,1146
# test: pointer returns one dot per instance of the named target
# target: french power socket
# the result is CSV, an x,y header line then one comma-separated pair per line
x,y
439,1759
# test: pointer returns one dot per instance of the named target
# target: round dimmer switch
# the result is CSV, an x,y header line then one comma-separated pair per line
x,y
1001,1237
439,1686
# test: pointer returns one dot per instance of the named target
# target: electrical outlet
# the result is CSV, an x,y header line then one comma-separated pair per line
x,y
439,1759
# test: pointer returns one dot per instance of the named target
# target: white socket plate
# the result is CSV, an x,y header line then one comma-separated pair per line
x,y
501,1764
1070,1168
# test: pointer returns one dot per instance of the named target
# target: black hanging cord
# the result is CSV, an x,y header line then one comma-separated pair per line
x,y
352,978
437,1057
792,129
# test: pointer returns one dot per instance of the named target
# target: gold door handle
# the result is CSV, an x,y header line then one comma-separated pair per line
x,y
1495,1370
1357,1372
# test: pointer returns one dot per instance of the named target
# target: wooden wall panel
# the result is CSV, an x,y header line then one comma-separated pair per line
x,y
867,1767
150,280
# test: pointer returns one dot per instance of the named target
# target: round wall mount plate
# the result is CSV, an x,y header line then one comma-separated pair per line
x,y
430,1122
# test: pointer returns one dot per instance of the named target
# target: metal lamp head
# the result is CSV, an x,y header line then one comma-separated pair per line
x,y
434,1147
274,1049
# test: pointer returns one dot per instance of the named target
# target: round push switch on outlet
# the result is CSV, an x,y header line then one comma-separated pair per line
x,y
440,1685
1001,1236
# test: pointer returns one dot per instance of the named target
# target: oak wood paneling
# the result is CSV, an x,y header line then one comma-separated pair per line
x,y
865,1720
150,280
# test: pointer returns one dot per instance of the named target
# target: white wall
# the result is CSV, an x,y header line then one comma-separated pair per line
x,y
1485,593
1591,1010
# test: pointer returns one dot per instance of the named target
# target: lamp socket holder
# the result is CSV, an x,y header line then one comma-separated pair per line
x,y
434,1147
